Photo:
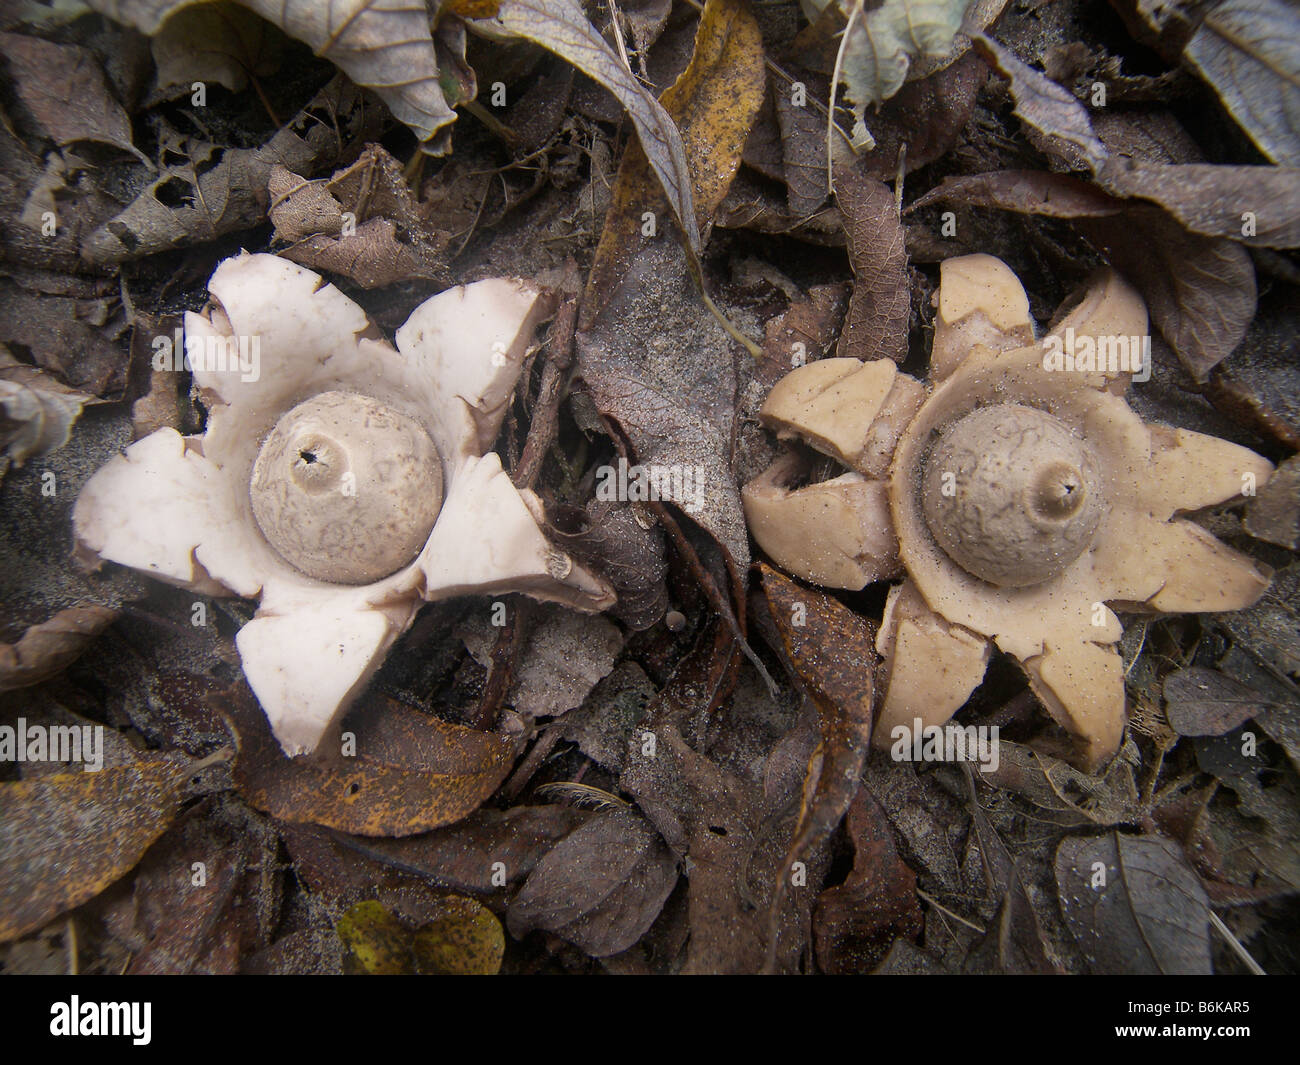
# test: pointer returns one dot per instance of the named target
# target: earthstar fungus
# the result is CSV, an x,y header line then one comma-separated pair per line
x,y
343,482
1016,500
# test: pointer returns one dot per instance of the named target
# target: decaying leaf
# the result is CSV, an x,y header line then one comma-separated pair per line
x,y
463,939
47,649
68,836
36,412
1134,905
363,223
377,942
382,46
411,772
64,89
1205,702
220,190
714,103
1274,514
217,43
1054,120
1249,52
876,325
561,27
881,45
206,894
832,650
600,888
564,655
1200,291
856,922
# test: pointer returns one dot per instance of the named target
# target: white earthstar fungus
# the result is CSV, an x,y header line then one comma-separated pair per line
x,y
343,481
1017,500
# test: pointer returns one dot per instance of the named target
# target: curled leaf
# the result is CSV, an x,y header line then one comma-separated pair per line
x,y
47,649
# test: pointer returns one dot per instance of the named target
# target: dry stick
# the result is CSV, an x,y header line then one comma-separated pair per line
x,y
555,380
944,910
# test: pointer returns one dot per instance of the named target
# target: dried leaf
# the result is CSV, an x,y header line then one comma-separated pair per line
x,y
564,655
714,103
1134,905
67,836
600,888
561,27
881,46
47,649
412,772
881,306
1055,121
216,43
364,223
465,939
36,413
1038,192
1252,204
1200,290
63,87
222,190
612,539
204,896
461,857
1205,702
1274,514
856,923
72,334
377,942
1249,52
382,46
832,650
1071,796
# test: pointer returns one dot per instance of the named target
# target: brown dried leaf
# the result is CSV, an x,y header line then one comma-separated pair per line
x,y
832,651
876,325
1200,290
463,939
600,888
411,773
364,223
47,649
67,836
714,103
1205,702
205,895
1055,121
216,43
1274,514
1134,905
560,26
64,89
1038,192
856,923
1251,204
1249,52
222,190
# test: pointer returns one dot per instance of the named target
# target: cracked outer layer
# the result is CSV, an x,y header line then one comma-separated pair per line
x,y
1012,495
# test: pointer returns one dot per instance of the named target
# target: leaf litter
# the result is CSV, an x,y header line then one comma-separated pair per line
x,y
684,784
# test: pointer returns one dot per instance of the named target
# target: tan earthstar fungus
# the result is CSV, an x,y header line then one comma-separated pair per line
x,y
1016,496
340,479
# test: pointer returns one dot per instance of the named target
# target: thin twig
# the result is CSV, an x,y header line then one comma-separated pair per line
x,y
944,910
1217,922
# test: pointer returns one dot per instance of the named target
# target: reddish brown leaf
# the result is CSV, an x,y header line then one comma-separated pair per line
x,y
856,923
